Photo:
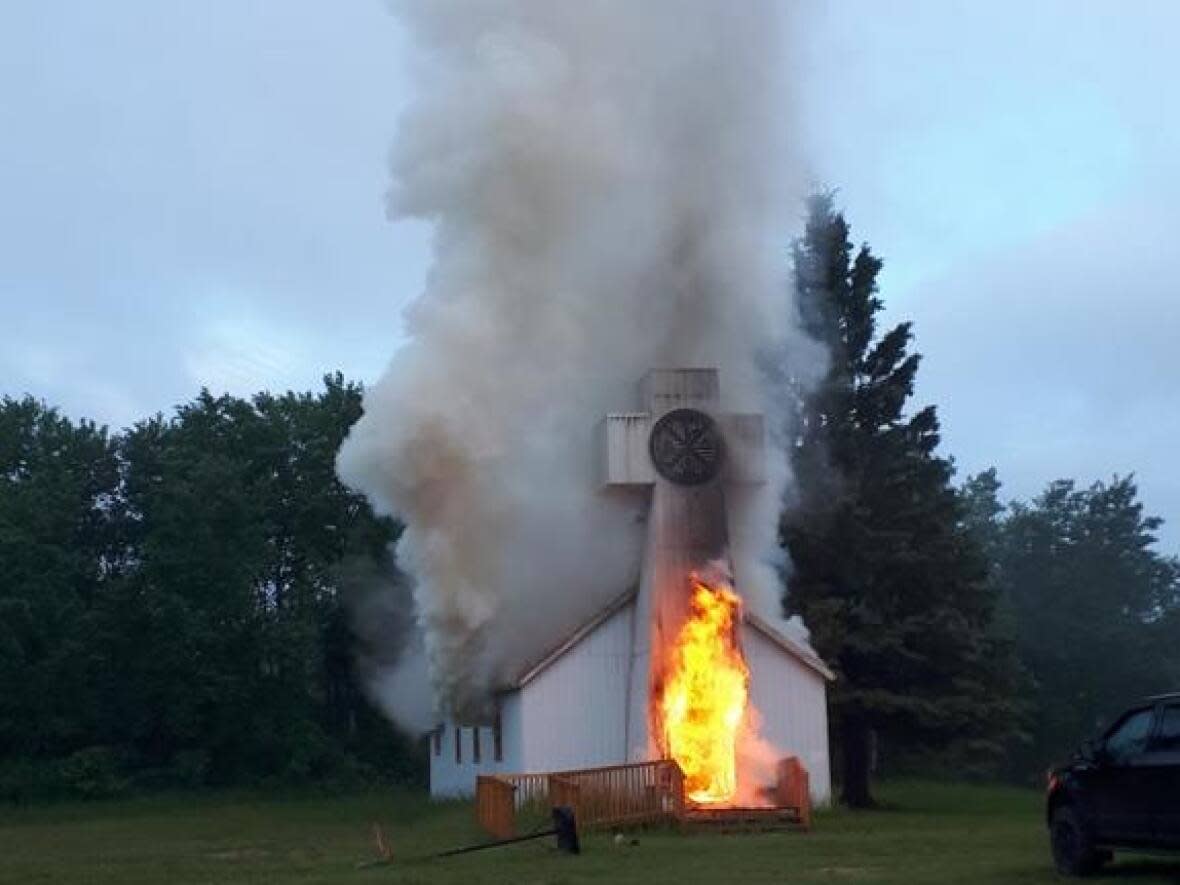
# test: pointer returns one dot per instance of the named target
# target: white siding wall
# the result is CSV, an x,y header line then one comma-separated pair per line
x,y
792,701
574,712
449,779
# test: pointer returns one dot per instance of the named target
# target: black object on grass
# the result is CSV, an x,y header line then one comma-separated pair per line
x,y
565,828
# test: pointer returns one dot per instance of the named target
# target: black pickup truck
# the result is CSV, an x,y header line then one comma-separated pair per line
x,y
1121,790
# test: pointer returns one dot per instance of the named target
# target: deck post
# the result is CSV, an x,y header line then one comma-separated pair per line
x,y
495,806
565,791
677,789
794,788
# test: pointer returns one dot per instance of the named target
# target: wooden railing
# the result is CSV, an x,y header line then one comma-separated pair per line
x,y
614,795
640,792
794,788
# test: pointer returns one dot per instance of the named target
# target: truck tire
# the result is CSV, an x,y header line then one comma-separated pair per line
x,y
1074,853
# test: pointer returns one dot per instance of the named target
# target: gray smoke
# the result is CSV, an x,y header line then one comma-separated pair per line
x,y
611,184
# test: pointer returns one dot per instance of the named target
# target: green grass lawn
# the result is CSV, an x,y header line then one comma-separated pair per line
x,y
937,833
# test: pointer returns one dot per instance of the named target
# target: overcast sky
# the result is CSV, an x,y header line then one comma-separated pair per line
x,y
192,194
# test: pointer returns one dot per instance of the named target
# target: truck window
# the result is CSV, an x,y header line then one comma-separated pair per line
x,y
1129,737
1167,740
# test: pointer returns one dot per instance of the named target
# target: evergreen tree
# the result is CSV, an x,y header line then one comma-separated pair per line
x,y
885,573
983,513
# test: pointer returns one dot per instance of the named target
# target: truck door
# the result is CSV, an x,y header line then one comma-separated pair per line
x,y
1164,765
1121,781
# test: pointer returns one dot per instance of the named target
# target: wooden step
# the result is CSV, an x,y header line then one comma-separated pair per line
x,y
739,819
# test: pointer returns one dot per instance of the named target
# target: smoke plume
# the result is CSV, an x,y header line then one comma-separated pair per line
x,y
611,185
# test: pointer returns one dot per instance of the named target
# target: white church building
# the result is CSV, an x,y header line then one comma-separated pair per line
x,y
585,702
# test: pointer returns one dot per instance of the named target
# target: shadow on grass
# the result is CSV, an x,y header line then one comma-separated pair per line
x,y
1128,869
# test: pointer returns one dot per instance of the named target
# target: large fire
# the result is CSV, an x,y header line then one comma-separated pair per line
x,y
705,693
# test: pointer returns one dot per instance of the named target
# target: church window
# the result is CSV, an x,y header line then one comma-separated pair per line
x,y
438,740
458,744
475,744
497,738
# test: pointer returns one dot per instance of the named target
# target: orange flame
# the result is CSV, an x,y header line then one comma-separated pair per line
x,y
705,694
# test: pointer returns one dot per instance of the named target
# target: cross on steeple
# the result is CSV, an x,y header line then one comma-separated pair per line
x,y
686,452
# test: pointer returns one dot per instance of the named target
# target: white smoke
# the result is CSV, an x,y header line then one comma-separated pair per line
x,y
612,188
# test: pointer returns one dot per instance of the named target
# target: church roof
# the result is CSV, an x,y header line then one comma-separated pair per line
x,y
801,650
798,650
533,670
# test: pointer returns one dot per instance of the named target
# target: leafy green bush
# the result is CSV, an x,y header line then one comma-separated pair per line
x,y
93,773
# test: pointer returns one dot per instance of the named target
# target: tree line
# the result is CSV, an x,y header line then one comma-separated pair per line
x,y
175,598
984,637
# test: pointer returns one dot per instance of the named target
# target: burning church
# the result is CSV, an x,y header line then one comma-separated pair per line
x,y
609,187
676,667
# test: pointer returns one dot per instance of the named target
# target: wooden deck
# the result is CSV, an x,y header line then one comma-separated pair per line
x,y
636,794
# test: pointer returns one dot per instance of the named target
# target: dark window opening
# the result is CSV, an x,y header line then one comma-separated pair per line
x,y
475,744
438,741
497,738
458,744
1168,739
1129,738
